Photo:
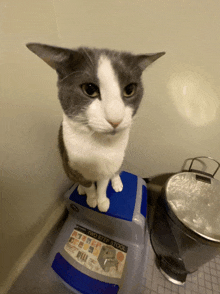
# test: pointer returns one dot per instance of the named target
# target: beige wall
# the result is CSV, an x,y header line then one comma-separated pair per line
x,y
179,117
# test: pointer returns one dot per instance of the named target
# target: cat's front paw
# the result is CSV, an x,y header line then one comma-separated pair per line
x,y
117,184
81,190
92,202
104,205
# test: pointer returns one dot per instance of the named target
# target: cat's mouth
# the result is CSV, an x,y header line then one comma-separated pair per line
x,y
112,133
108,132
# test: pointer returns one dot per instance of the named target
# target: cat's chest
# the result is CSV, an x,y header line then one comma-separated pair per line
x,y
97,155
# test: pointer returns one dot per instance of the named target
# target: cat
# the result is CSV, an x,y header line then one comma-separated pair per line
x,y
100,91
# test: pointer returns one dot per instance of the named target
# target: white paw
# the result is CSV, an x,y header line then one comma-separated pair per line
x,y
81,190
92,202
104,205
117,184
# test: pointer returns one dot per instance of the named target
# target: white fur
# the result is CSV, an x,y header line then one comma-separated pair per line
x,y
112,104
97,155
94,150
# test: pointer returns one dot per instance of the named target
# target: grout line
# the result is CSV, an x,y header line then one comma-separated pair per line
x,y
32,248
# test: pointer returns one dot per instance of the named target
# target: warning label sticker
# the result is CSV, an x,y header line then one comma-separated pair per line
x,y
97,252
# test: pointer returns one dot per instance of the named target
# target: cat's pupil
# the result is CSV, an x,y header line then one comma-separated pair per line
x,y
129,90
90,89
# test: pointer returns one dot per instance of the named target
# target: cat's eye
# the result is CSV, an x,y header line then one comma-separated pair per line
x,y
130,90
90,90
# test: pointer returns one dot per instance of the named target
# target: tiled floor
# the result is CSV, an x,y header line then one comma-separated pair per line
x,y
205,281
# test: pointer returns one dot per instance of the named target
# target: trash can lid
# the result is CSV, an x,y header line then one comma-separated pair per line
x,y
195,200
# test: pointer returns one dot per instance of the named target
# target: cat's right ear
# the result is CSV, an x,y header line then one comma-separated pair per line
x,y
147,59
52,55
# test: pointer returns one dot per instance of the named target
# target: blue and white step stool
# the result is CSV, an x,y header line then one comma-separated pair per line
x,y
104,252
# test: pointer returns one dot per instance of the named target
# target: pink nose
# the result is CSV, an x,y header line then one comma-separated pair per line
x,y
114,124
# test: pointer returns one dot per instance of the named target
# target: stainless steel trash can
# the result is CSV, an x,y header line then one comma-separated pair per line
x,y
185,231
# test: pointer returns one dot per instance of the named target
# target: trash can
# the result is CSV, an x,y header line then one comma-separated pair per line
x,y
185,232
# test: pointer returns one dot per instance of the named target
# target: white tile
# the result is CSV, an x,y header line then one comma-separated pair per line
x,y
167,291
154,286
194,279
175,288
201,275
202,290
147,291
208,285
181,290
212,265
207,277
160,290
206,270
213,272
216,287
214,280
189,285
168,285
201,282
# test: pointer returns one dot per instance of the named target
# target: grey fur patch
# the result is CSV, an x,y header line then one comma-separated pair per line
x,y
73,175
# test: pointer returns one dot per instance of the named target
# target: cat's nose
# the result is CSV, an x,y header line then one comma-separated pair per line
x,y
114,124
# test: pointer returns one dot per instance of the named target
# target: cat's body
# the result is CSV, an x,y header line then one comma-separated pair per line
x,y
100,91
96,157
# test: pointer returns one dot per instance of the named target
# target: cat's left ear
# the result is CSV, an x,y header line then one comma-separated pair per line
x,y
52,55
146,59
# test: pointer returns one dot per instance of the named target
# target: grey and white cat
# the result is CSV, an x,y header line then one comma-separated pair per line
x,y
100,91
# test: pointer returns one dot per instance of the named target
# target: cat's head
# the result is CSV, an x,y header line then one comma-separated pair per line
x,y
98,88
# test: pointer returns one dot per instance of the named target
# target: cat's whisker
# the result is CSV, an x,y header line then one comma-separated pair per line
x,y
88,57
72,73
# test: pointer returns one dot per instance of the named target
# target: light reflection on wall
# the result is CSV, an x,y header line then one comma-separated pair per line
x,y
194,97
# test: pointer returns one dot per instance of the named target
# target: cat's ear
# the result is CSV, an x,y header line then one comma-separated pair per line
x,y
146,59
52,55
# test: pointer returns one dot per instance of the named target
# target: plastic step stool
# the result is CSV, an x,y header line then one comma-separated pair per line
x,y
104,252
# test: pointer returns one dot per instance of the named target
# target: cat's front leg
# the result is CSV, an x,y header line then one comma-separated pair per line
x,y
91,194
103,201
81,190
117,184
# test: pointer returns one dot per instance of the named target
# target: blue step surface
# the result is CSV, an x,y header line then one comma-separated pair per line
x,y
79,281
122,203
